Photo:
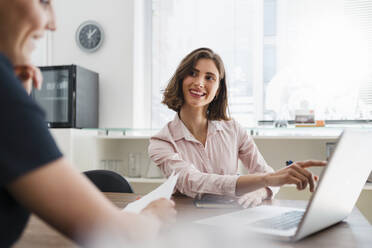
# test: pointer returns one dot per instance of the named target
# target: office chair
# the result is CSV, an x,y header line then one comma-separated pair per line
x,y
109,181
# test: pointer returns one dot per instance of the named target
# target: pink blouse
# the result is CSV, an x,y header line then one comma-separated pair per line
x,y
211,169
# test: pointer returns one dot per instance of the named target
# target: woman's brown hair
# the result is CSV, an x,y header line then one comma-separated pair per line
x,y
173,94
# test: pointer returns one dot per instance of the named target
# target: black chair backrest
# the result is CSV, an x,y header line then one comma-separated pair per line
x,y
109,181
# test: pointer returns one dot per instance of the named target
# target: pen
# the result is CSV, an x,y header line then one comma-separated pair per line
x,y
288,163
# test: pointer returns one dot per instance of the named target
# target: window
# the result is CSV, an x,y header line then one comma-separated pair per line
x,y
280,55
323,60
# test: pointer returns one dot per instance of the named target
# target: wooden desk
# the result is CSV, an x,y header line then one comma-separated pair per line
x,y
354,232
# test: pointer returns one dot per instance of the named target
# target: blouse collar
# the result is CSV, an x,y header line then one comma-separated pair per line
x,y
181,131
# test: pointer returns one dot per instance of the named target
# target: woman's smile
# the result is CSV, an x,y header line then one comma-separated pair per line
x,y
197,93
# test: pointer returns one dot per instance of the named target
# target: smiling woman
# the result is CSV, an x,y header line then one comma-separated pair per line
x,y
204,145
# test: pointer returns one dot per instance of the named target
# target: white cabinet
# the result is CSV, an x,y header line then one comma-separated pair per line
x,y
87,150
78,146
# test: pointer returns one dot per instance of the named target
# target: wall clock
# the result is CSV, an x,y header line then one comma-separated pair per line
x,y
89,36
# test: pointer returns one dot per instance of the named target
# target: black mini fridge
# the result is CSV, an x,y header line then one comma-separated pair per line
x,y
69,96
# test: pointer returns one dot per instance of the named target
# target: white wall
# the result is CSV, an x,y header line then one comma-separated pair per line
x,y
113,61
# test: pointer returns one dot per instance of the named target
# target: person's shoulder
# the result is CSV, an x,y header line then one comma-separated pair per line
x,y
6,73
13,93
231,128
9,83
4,61
230,124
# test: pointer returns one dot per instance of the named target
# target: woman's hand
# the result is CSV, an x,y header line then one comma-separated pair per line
x,y
296,174
162,209
253,199
30,76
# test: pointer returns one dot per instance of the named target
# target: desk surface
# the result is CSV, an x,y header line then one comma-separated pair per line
x,y
354,232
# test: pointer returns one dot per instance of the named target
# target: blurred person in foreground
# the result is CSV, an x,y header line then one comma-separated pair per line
x,y
34,176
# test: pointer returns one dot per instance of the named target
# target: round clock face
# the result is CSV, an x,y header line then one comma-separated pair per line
x,y
89,36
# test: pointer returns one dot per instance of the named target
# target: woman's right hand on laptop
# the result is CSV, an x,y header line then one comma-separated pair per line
x,y
296,174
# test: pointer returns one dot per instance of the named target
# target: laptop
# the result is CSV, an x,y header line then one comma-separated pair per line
x,y
338,189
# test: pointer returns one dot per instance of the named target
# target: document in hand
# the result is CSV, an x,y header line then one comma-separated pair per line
x,y
165,190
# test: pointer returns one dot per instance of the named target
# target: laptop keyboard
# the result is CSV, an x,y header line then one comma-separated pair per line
x,y
284,221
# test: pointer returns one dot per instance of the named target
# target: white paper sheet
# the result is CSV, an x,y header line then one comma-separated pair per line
x,y
165,190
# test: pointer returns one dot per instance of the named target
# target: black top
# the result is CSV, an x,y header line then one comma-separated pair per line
x,y
25,144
